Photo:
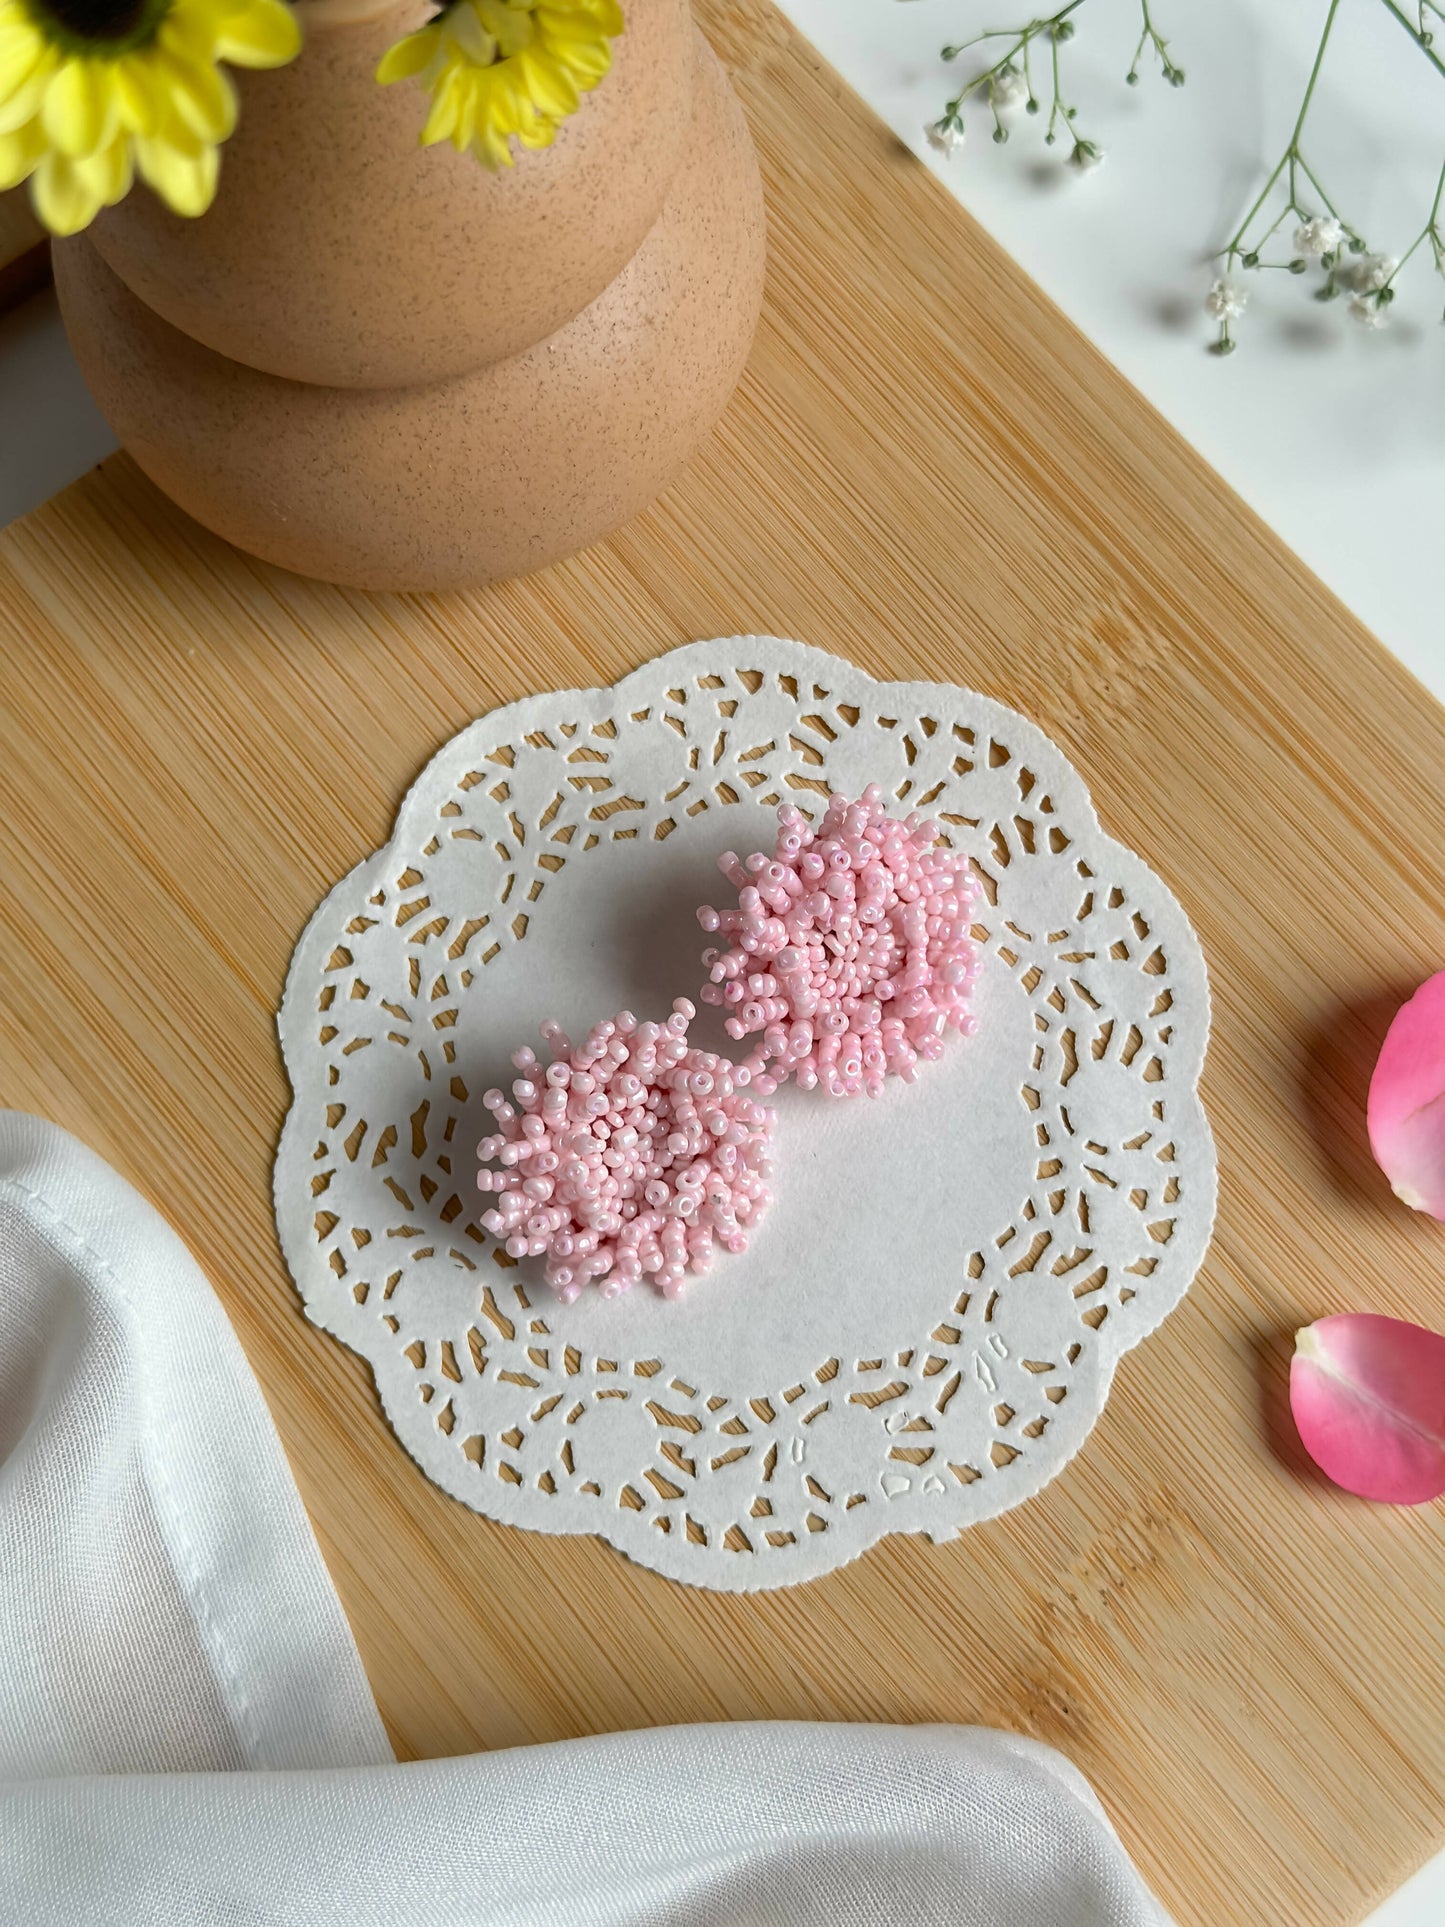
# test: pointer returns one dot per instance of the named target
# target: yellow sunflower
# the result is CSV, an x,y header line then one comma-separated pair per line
x,y
495,68
94,91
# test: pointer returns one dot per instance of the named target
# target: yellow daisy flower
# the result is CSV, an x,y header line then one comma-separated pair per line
x,y
495,68
93,92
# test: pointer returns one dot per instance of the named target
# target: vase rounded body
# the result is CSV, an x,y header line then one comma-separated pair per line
x,y
339,250
515,369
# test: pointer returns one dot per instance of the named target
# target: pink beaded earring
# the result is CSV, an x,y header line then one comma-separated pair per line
x,y
631,1155
634,1155
850,955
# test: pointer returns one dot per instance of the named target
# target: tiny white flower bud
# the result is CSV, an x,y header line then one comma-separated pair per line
x,y
1010,90
1369,314
944,136
1322,235
1226,300
1373,271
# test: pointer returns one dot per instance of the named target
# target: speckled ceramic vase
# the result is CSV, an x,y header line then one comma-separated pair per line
x,y
379,363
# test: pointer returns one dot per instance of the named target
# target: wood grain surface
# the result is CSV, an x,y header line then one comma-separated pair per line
x,y
24,249
927,470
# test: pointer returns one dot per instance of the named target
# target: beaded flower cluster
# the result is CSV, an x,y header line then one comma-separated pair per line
x,y
850,954
849,958
631,1155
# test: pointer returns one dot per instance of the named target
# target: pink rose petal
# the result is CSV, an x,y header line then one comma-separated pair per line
x,y
1407,1101
1368,1395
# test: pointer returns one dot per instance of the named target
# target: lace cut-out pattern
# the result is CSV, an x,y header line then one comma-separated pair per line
x,y
926,1325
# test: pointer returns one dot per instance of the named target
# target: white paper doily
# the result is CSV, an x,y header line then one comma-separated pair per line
x,y
926,1324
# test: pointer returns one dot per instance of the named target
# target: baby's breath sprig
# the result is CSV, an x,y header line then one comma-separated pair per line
x,y
1327,238
1293,198
1433,232
1151,37
1008,83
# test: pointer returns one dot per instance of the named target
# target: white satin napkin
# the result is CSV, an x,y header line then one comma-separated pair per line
x,y
186,1734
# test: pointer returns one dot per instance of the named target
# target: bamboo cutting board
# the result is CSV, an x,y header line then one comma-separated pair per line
x,y
928,470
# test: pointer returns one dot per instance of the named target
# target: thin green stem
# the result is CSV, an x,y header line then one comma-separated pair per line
x,y
1319,189
1291,157
1314,182
1430,232
989,33
1417,34
1315,73
1150,36
1018,39
1019,35
1422,235
1233,247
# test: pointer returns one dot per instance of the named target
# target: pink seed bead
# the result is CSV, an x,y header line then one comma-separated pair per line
x,y
630,1156
864,913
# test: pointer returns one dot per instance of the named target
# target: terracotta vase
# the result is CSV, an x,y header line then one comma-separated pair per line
x,y
379,363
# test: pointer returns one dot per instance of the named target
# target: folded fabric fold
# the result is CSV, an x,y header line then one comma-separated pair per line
x,y
689,1826
186,1734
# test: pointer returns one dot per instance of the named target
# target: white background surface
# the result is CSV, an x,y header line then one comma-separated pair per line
x,y
1335,436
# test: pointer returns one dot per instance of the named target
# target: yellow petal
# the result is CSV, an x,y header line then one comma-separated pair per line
x,y
79,112
16,32
133,81
186,183
491,149
263,33
191,29
108,174
21,49
407,57
443,116
173,132
25,102
586,61
512,27
201,96
64,198
606,16
503,68
540,133
501,102
19,153
462,25
548,83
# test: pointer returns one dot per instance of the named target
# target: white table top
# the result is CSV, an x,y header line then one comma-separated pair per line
x,y
1335,436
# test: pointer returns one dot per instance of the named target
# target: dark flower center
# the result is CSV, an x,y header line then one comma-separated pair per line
x,y
90,25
